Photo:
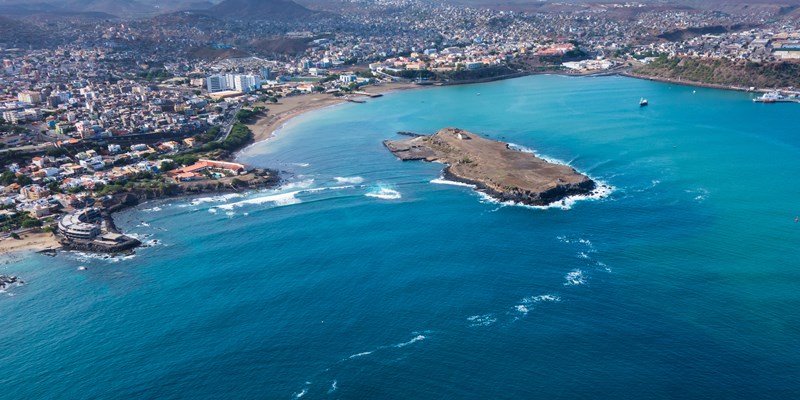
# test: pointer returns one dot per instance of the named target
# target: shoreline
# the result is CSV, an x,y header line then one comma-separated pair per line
x,y
265,128
288,108
30,242
629,74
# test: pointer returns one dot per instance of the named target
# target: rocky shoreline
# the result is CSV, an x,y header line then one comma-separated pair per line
x,y
493,168
8,280
256,179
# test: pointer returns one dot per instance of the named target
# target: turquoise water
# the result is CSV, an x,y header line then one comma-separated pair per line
x,y
682,283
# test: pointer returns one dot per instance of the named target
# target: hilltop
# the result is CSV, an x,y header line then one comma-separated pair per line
x,y
256,9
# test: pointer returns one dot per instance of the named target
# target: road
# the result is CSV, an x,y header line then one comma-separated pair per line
x,y
230,120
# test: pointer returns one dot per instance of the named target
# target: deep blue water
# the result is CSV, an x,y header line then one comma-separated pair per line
x,y
683,283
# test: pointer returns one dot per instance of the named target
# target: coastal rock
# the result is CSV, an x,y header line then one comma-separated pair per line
x,y
494,168
6,281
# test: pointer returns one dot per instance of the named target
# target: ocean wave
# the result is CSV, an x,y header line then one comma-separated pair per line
x,y
300,393
87,257
412,341
362,354
282,199
442,181
333,387
350,180
574,278
385,193
304,184
214,199
527,303
544,298
153,209
301,164
482,320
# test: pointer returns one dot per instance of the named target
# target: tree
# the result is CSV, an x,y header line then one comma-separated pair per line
x,y
7,178
31,223
168,166
56,151
24,180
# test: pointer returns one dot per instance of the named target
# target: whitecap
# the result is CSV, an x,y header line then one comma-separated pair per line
x,y
300,393
301,164
384,193
214,199
362,354
414,340
153,209
212,210
333,387
541,299
481,320
282,199
522,308
574,277
350,180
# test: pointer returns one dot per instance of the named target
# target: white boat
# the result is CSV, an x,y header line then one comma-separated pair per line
x,y
642,102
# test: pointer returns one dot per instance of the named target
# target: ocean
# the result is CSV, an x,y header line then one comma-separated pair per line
x,y
364,277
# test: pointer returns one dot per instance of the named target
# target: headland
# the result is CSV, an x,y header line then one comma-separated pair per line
x,y
493,168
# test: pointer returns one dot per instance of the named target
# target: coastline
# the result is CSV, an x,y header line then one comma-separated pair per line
x,y
12,249
289,107
630,74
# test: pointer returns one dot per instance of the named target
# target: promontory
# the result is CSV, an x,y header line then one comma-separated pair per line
x,y
494,168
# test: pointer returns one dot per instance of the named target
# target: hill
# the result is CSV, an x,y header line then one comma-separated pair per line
x,y
257,9
724,72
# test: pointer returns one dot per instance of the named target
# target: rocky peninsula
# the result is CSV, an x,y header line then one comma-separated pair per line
x,y
493,168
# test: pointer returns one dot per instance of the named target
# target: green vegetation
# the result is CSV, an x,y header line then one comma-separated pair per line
x,y
724,72
185,159
56,151
156,75
21,220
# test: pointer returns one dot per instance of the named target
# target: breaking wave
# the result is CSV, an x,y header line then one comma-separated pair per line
x,y
354,180
385,193
481,320
282,199
574,278
442,181
412,341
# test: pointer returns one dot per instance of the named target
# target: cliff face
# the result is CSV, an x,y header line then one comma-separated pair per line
x,y
494,168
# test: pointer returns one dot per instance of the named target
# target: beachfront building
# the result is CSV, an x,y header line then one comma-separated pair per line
x,y
81,224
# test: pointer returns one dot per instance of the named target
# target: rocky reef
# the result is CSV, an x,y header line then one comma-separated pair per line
x,y
7,281
493,168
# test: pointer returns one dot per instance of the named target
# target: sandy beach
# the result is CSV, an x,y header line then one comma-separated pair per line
x,y
290,107
11,249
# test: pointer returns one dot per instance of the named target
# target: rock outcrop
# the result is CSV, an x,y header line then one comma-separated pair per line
x,y
494,168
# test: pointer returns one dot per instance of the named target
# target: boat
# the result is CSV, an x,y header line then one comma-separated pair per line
x,y
771,97
642,102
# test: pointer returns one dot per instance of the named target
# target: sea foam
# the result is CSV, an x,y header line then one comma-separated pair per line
x,y
354,180
481,320
442,181
574,277
412,341
384,193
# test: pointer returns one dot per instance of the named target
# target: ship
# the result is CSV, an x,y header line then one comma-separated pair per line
x,y
772,97
642,102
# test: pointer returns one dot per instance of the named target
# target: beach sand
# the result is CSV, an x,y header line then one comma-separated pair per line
x,y
290,107
11,249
